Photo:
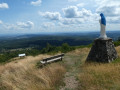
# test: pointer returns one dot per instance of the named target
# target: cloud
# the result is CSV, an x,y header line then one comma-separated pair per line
x,y
80,5
10,26
1,22
23,25
3,5
19,25
72,0
36,3
71,16
51,15
114,20
86,12
48,25
69,21
110,8
73,12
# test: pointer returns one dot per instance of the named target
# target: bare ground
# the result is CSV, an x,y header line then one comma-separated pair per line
x,y
70,80
73,62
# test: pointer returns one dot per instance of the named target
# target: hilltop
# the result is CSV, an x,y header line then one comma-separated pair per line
x,y
72,72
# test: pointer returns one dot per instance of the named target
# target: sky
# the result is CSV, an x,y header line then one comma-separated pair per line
x,y
45,16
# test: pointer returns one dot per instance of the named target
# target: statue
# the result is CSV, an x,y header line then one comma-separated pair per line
x,y
103,49
102,27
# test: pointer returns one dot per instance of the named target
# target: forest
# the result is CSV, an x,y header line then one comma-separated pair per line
x,y
37,44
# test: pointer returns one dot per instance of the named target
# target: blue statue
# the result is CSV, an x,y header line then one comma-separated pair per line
x,y
103,20
103,27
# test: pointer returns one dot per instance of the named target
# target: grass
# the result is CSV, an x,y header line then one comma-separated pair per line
x,y
24,75
99,76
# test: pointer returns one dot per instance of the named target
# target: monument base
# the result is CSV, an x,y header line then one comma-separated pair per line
x,y
103,50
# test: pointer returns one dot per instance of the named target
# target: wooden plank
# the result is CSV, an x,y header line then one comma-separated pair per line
x,y
52,59
61,55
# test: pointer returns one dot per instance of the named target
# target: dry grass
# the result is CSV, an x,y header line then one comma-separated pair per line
x,y
81,54
118,50
80,51
100,77
23,75
94,76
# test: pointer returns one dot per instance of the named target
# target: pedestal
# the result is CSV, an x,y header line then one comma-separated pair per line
x,y
103,50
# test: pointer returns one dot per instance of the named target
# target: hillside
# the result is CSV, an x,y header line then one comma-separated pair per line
x,y
71,73
23,74
91,76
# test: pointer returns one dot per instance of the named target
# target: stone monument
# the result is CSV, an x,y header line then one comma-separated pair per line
x,y
103,49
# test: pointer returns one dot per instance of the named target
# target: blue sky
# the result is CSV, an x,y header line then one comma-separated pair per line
x,y
38,16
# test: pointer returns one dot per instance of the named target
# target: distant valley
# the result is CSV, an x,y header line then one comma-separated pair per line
x,y
40,41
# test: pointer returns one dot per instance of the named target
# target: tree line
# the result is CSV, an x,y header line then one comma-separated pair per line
x,y
49,49
6,56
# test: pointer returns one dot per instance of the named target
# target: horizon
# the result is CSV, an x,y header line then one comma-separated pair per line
x,y
56,33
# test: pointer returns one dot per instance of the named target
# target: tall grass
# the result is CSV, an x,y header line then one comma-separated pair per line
x,y
23,75
99,76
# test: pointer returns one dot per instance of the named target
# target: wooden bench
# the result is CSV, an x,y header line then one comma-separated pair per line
x,y
52,59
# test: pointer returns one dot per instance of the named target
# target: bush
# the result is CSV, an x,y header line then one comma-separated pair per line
x,y
66,48
4,57
49,48
117,43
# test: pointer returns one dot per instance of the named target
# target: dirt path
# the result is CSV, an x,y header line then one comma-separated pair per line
x,y
70,79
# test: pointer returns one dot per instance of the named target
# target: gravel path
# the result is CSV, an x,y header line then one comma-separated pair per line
x,y
70,80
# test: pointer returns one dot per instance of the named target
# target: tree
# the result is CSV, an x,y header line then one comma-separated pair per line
x,y
65,47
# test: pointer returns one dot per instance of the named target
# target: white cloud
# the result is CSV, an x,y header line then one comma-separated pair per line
x,y
72,0
48,25
73,12
36,3
69,21
1,22
80,5
86,12
108,7
23,25
113,20
9,26
111,9
51,15
19,25
3,5
72,16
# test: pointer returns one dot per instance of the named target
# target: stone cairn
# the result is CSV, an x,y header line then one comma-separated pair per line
x,y
103,49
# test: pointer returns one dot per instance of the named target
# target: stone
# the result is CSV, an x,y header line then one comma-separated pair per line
x,y
103,50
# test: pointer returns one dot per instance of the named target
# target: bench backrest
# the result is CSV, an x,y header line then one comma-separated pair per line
x,y
46,59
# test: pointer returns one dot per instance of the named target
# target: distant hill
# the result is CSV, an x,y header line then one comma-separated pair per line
x,y
56,39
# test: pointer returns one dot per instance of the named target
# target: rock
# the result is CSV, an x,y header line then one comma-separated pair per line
x,y
103,50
